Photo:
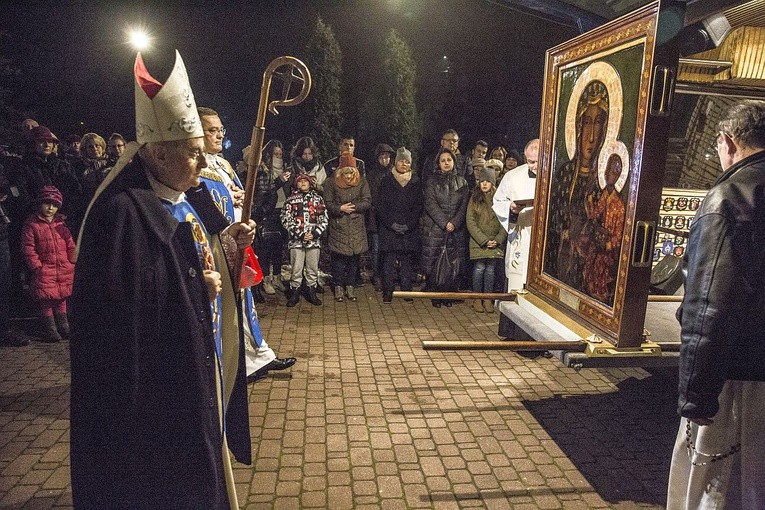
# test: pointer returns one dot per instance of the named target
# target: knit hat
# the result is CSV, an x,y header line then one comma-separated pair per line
x,y
50,194
403,153
73,139
41,133
488,174
304,177
346,160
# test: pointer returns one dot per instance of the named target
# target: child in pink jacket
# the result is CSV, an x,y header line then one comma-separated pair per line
x,y
48,250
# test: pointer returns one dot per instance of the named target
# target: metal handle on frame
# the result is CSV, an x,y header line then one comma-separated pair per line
x,y
642,246
662,91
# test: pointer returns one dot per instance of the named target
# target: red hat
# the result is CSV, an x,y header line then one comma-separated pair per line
x,y
50,194
41,133
346,160
304,177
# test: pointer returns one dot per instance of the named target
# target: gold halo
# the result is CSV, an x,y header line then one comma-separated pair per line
x,y
613,147
605,73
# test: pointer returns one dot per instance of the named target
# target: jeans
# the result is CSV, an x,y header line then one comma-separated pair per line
x,y
405,273
308,259
374,249
344,268
483,274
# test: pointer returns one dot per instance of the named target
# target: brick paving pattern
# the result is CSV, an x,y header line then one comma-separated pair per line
x,y
369,420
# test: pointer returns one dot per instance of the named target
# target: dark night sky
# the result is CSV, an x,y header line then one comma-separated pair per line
x,y
76,66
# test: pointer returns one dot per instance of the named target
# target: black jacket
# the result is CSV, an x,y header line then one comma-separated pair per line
x,y
722,317
145,429
446,198
403,205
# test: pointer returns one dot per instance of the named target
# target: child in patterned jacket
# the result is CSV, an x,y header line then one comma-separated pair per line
x,y
304,216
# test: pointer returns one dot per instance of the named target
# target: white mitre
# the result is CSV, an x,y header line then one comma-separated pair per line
x,y
165,112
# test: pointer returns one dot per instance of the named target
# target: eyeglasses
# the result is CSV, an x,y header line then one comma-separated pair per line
x,y
451,140
214,131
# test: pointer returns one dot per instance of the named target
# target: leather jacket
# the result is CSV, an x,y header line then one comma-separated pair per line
x,y
722,317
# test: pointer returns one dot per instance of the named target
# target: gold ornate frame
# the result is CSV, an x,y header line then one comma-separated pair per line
x,y
622,57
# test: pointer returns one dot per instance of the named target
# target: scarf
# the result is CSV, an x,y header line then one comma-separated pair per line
x,y
277,164
344,183
402,179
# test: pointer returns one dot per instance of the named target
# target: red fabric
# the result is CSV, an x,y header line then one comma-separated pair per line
x,y
147,82
252,274
48,250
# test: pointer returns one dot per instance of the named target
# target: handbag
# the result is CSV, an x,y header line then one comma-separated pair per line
x,y
447,267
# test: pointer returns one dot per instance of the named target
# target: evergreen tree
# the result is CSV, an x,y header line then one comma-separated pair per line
x,y
391,108
324,60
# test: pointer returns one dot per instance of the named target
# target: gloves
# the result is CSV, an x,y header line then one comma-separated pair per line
x,y
399,228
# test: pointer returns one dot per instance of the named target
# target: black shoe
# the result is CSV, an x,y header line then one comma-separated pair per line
x,y
387,297
448,303
277,364
436,303
312,297
294,297
408,299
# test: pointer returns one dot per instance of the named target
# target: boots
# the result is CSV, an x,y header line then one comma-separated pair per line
x,y
477,306
62,323
268,287
293,296
338,293
312,297
350,293
257,293
488,305
48,332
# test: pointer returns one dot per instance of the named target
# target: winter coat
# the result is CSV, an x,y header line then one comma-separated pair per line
x,y
446,198
145,425
49,252
483,231
722,326
303,213
264,211
38,172
375,176
347,232
402,205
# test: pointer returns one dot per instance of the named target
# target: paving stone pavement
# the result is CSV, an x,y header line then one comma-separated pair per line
x,y
369,420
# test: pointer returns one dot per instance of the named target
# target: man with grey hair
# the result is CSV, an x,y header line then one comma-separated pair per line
x,y
718,457
158,386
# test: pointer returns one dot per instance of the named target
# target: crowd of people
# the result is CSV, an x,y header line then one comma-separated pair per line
x,y
45,187
433,225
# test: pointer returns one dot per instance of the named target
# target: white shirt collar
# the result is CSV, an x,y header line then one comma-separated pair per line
x,y
164,192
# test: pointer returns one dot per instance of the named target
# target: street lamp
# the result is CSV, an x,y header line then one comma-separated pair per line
x,y
139,39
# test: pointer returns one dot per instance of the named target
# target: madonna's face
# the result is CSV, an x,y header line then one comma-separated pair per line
x,y
593,124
